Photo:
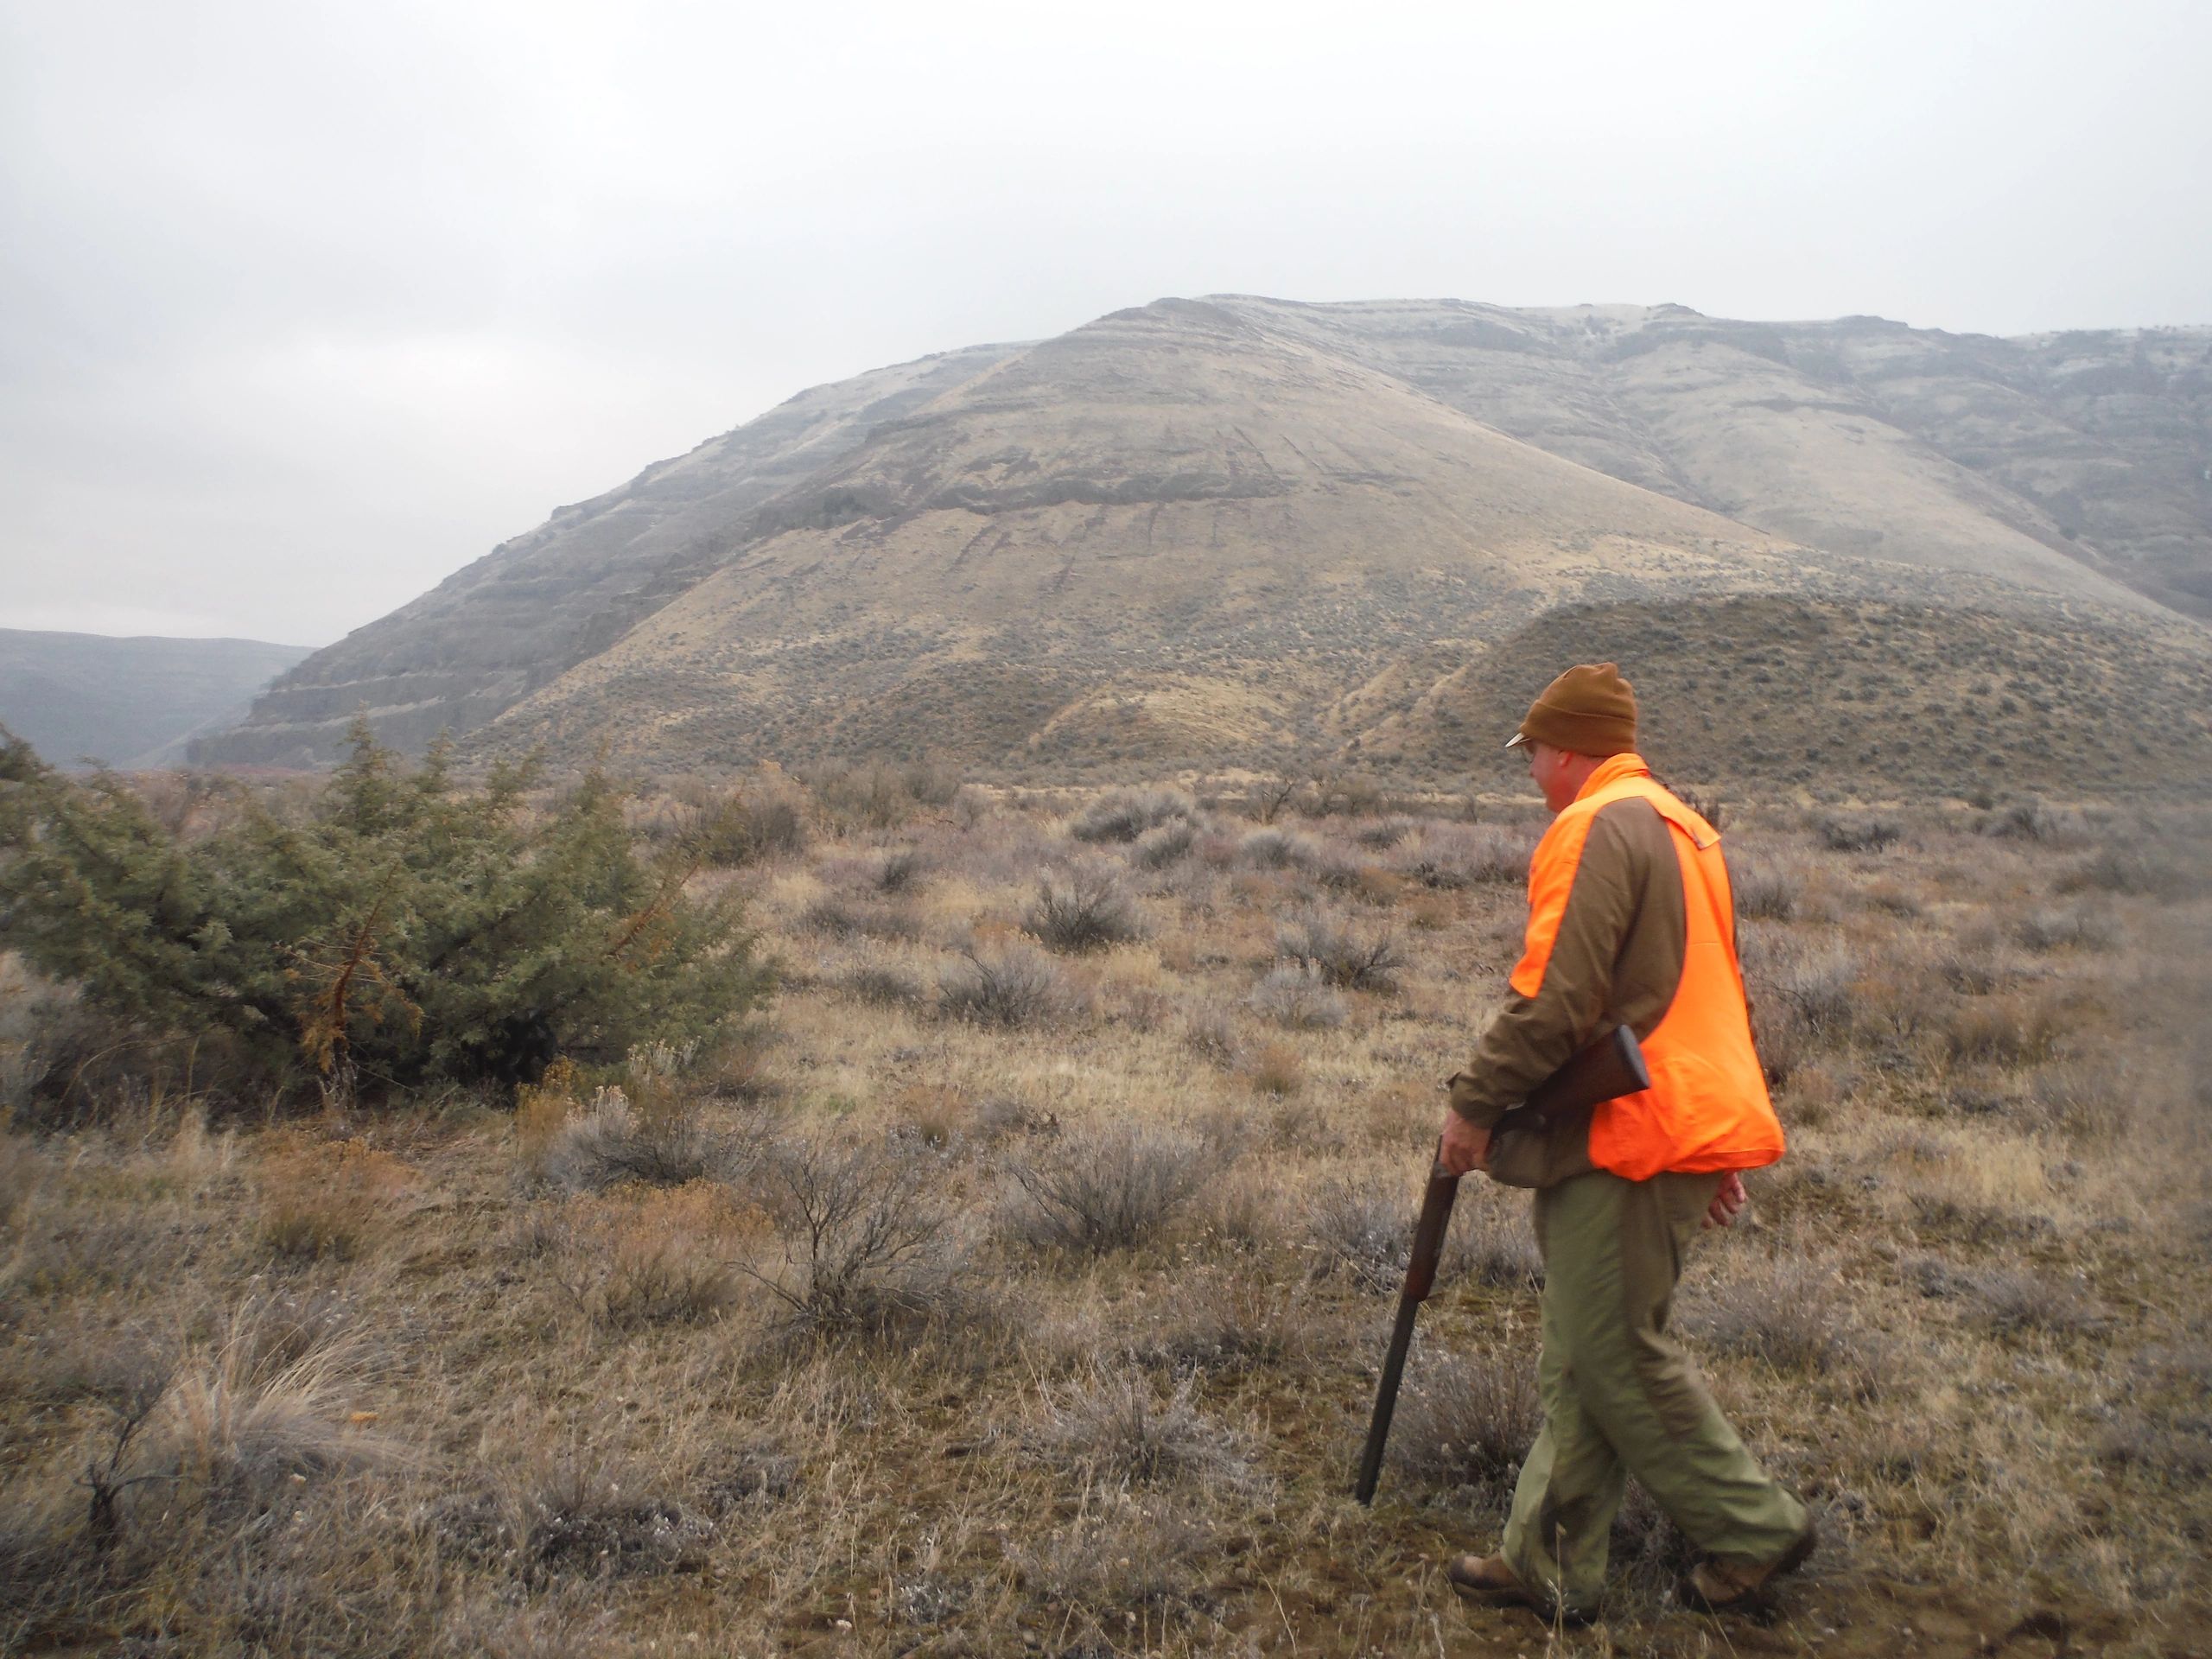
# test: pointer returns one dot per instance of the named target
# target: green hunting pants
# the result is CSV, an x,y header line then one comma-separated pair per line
x,y
1620,1398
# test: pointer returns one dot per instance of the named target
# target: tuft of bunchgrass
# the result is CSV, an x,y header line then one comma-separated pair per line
x,y
1011,987
612,1141
1116,1428
1298,998
1455,855
1865,833
1339,955
1465,1420
1085,908
1111,1187
1127,814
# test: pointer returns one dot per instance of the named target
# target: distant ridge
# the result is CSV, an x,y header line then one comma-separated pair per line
x,y
128,703
1217,531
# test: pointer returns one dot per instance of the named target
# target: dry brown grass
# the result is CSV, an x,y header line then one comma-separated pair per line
x,y
1055,1331
328,1199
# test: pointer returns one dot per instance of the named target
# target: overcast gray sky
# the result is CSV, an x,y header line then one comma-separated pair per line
x,y
304,306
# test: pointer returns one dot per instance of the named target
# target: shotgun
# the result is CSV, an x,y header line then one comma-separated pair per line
x,y
1610,1067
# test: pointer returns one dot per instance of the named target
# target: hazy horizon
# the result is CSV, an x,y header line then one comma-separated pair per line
x,y
305,311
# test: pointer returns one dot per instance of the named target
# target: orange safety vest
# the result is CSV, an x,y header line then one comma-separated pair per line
x,y
1707,1108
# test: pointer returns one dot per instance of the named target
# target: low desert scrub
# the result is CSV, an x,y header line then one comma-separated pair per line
x,y
1450,855
1336,866
23,1171
1170,842
837,916
1085,908
1213,1326
1115,1429
2081,1099
576,1516
63,1251
870,1241
1277,1071
1298,998
1466,1420
663,1258
730,831
2021,1028
880,797
995,1406
2011,1301
1648,1556
1360,1231
1974,961
1788,1312
884,984
1010,986
1383,834
2165,1428
1126,815
1110,1187
1493,1240
611,1142
1270,849
1363,1231
2067,927
1803,999
900,870
2038,821
1120,1560
1764,892
1210,1034
46,1035
1338,954
325,1198
2135,872
1859,834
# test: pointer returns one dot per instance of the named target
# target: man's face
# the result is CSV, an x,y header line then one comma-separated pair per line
x,y
1549,767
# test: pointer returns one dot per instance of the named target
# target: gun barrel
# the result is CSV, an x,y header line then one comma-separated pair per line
x,y
1386,1400
1421,1279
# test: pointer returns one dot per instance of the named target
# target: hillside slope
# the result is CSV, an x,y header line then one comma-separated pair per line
x,y
1168,532
1884,697
2049,462
1214,531
128,703
536,606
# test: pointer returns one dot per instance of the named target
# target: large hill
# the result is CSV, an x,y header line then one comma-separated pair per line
x,y
128,703
1211,531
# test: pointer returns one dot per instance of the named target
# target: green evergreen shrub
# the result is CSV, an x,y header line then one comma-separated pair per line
x,y
404,933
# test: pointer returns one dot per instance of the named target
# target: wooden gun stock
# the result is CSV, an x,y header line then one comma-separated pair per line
x,y
1611,1067
1606,1070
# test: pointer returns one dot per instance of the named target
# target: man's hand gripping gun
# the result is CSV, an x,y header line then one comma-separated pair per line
x,y
1611,1067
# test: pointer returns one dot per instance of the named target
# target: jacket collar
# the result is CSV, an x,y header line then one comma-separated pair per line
x,y
1613,771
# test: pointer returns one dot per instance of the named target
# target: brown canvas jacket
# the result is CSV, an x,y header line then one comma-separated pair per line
x,y
1616,960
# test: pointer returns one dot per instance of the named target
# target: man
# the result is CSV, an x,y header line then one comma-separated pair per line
x,y
1631,922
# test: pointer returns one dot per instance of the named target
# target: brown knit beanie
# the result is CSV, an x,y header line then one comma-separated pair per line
x,y
1589,709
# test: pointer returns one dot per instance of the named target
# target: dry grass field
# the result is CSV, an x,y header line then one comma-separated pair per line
x,y
1015,1282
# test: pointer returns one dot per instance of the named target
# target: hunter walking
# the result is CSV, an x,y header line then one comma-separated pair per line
x,y
1631,922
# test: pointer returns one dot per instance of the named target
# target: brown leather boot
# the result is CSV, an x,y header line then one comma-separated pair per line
x,y
1715,1585
1488,1578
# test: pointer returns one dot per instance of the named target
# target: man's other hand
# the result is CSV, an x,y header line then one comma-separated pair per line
x,y
1728,1203
1464,1147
